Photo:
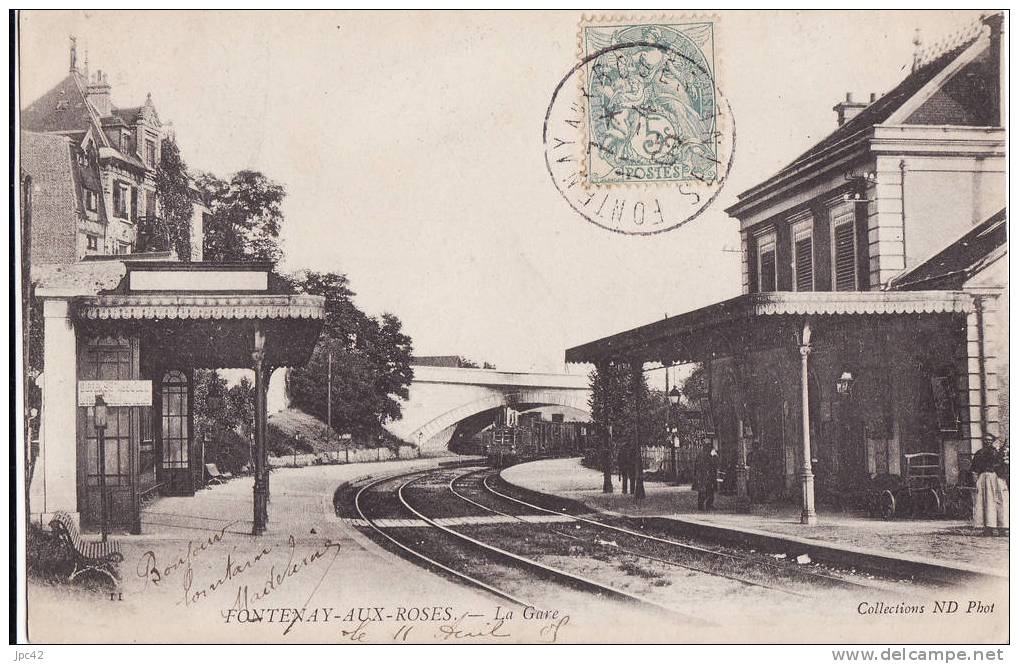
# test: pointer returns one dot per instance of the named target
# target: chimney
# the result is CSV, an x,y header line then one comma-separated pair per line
x,y
848,109
99,94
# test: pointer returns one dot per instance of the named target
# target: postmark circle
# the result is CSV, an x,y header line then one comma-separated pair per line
x,y
637,136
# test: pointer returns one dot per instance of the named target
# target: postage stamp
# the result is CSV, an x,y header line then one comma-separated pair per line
x,y
652,105
639,138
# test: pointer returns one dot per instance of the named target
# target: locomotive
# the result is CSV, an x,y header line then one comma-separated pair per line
x,y
516,439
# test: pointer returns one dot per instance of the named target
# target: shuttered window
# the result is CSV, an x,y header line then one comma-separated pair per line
x,y
803,255
767,274
843,248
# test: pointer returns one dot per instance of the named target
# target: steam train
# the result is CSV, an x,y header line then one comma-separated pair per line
x,y
528,437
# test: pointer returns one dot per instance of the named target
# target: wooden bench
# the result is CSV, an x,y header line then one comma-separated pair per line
x,y
89,556
216,477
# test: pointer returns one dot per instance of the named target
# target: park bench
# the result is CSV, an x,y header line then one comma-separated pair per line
x,y
216,477
88,555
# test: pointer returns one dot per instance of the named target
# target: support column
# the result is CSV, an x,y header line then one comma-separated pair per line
x,y
605,433
637,378
55,489
261,491
742,471
808,516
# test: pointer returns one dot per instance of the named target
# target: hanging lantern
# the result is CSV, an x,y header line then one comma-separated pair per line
x,y
844,384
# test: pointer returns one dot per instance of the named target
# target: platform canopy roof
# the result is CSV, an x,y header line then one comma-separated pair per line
x,y
194,314
758,317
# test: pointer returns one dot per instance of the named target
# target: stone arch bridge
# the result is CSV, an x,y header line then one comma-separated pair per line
x,y
446,402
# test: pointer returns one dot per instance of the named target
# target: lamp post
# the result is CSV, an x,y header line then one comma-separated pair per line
x,y
674,397
99,421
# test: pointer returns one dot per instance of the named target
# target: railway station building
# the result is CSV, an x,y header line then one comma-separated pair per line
x,y
127,325
872,323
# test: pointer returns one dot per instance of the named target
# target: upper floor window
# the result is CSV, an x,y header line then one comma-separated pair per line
x,y
843,247
92,243
125,141
767,272
91,200
150,152
120,199
802,236
150,203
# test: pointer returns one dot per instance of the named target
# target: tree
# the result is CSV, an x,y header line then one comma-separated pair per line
x,y
696,385
246,217
224,416
467,363
371,361
176,205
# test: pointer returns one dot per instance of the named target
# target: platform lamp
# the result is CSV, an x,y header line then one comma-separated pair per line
x,y
674,396
99,422
844,383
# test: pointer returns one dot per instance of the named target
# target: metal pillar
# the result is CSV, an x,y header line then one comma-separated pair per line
x,y
742,472
808,516
260,514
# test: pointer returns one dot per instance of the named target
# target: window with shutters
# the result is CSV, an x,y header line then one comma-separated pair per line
x,y
802,235
767,273
843,248
120,197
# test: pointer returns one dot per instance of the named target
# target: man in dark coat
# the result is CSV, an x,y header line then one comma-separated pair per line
x,y
705,476
625,462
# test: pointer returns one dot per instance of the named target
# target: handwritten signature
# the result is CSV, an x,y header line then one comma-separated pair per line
x,y
149,568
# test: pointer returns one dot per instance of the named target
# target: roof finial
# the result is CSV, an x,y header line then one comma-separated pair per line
x,y
917,47
74,54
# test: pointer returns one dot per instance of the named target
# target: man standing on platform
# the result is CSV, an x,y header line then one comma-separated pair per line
x,y
705,476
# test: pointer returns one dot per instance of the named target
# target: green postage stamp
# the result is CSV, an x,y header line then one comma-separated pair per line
x,y
651,102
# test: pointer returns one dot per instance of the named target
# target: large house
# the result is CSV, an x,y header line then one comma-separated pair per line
x,y
98,163
124,325
872,324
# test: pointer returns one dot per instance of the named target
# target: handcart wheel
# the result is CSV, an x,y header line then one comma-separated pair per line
x,y
931,502
887,505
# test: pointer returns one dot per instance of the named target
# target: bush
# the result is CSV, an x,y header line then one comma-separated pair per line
x,y
46,559
282,444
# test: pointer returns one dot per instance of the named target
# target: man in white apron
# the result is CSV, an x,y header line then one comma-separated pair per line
x,y
990,506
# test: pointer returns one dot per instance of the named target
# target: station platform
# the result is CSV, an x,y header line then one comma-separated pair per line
x,y
949,548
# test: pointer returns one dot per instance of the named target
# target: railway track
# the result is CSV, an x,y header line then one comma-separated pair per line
x,y
642,539
382,507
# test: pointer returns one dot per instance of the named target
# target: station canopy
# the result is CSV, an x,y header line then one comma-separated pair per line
x,y
201,314
762,320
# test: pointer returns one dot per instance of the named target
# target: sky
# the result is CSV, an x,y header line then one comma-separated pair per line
x,y
410,148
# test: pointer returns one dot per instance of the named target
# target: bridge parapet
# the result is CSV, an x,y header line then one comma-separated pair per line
x,y
495,378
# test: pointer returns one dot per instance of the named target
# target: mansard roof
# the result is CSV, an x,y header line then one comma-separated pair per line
x,y
63,108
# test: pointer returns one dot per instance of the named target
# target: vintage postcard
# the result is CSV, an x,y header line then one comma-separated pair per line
x,y
563,327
